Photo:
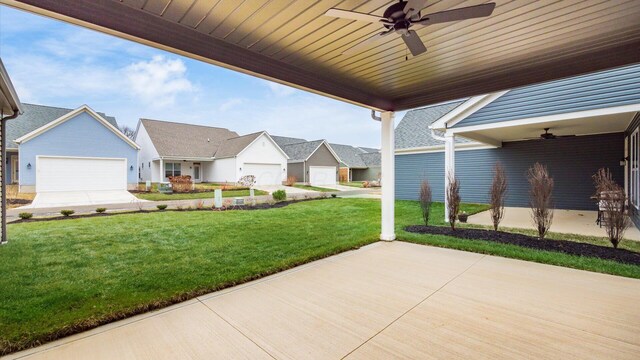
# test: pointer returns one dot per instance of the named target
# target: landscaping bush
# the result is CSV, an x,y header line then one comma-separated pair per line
x,y
181,183
67,212
366,184
497,194
540,198
101,210
25,215
247,181
161,206
291,180
426,199
612,204
200,204
453,199
279,195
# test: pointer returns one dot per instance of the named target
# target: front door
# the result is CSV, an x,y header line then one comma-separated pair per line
x,y
196,173
15,170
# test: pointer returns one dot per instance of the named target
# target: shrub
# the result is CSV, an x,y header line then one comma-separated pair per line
x,y
612,204
67,212
291,180
12,191
200,204
333,195
25,215
453,199
279,195
366,184
181,183
101,210
497,194
247,181
426,199
161,206
540,198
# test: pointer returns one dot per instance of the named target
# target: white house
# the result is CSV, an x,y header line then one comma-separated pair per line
x,y
207,154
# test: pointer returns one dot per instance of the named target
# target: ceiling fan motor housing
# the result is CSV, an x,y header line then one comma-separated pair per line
x,y
396,17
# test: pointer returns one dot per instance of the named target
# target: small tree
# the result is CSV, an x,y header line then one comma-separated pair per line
x,y
453,199
128,132
497,194
540,198
426,199
612,206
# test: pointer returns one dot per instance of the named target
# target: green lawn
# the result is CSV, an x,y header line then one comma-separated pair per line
x,y
313,188
62,276
357,184
154,196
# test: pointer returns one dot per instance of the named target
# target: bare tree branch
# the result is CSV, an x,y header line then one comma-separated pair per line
x,y
540,198
497,194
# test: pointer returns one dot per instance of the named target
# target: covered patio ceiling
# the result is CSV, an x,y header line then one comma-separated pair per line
x,y
292,42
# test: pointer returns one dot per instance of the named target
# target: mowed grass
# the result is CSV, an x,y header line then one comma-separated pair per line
x,y
313,188
60,277
154,196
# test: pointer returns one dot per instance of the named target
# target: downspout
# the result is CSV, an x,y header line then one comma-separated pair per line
x,y
3,184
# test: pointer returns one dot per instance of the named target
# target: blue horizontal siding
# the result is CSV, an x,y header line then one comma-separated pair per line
x,y
600,90
570,161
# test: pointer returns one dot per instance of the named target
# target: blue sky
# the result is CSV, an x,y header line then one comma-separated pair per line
x,y
58,64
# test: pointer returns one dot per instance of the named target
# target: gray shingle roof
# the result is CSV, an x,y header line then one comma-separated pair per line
x,y
233,146
371,159
185,140
369,150
349,155
36,116
284,140
413,130
301,151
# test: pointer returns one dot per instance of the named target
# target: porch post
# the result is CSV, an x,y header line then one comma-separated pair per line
x,y
388,176
449,166
161,171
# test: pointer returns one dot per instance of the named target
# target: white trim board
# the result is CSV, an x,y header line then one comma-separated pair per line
x,y
440,148
549,118
84,108
465,109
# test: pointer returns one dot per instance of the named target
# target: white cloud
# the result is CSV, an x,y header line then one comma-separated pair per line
x,y
230,104
280,90
159,81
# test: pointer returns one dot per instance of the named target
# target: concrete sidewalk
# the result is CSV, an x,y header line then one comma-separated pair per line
x,y
386,301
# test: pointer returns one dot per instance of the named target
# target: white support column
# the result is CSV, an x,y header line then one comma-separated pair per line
x,y
161,171
449,166
388,176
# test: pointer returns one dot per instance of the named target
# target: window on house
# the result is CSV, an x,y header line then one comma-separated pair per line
x,y
172,169
634,170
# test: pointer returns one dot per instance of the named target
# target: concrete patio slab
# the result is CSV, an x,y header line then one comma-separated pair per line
x,y
80,198
581,222
387,300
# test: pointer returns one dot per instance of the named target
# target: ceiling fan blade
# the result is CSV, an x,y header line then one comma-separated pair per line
x,y
470,12
352,15
413,7
414,43
366,43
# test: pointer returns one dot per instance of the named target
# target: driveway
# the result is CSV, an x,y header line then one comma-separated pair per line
x,y
80,198
289,189
384,301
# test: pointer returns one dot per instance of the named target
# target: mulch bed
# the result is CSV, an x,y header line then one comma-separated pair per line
x,y
563,246
18,202
261,206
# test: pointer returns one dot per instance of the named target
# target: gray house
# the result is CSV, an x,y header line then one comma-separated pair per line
x,y
310,162
358,164
592,122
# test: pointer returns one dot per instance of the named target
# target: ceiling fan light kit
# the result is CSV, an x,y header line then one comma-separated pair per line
x,y
400,17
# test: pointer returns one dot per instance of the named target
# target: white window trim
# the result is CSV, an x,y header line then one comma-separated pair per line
x,y
634,168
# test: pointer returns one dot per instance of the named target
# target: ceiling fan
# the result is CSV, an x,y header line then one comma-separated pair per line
x,y
549,136
399,18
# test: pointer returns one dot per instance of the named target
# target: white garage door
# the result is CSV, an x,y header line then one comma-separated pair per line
x,y
266,174
80,174
322,175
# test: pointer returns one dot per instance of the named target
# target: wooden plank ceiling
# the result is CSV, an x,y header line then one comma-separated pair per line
x,y
291,41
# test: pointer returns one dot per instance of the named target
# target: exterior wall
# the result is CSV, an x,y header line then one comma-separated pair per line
x,y
634,213
146,154
222,170
297,170
321,157
262,151
368,174
571,162
9,165
599,90
81,136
